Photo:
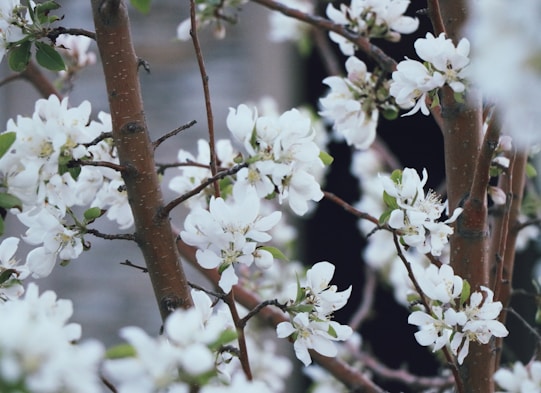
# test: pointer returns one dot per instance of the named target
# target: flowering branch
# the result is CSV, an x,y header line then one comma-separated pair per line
x,y
118,236
385,62
54,33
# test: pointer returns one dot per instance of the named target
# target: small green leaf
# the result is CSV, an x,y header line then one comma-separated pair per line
x,y
396,176
390,201
6,275
390,114
531,172
2,226
19,56
48,57
459,97
65,165
466,289
326,158
300,292
92,213
225,337
42,10
276,253
120,351
385,216
6,140
142,6
8,201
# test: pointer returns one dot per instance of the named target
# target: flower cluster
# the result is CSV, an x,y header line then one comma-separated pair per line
x,y
520,379
354,102
186,354
455,318
310,306
11,273
283,156
371,19
37,351
39,169
416,215
444,63
228,233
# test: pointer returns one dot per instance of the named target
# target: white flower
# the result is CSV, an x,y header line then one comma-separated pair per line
x,y
351,104
228,233
45,365
284,28
439,284
520,379
435,329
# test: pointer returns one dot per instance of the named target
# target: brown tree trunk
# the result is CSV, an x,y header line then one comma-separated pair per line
x,y
153,232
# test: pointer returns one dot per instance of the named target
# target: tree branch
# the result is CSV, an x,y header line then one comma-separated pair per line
x,y
135,151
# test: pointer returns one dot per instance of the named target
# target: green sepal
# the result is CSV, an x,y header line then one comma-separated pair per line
x,y
120,351
6,275
64,165
143,6
332,332
326,158
222,267
390,201
48,57
6,140
300,292
225,337
301,308
459,97
531,172
385,216
19,56
466,290
8,201
396,176
276,253
2,225
389,114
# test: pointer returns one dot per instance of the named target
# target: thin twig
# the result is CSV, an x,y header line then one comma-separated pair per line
x,y
253,312
54,33
350,209
108,384
170,134
220,175
525,323
206,91
387,63
364,308
128,263
117,236
241,337
98,139
103,164
207,291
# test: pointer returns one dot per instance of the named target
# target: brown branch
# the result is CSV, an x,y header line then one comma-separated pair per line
x,y
117,236
435,17
350,209
206,91
375,53
241,336
101,137
54,33
152,232
103,164
170,134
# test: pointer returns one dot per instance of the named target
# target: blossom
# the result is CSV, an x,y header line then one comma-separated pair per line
x,y
520,378
444,63
415,214
51,365
228,233
352,104
435,328
310,306
284,28
283,156
371,18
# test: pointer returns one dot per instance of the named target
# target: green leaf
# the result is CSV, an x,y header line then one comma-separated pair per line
x,y
300,292
531,172
92,213
390,201
385,216
6,140
42,10
2,226
276,253
390,114
326,158
466,289
19,56
8,201
48,57
459,97
225,337
65,165
142,6
120,351
6,275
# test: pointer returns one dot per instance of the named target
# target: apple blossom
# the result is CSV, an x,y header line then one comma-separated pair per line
x,y
520,378
372,19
